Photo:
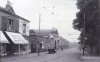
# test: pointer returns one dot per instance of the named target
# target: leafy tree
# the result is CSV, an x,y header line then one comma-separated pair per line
x,y
87,21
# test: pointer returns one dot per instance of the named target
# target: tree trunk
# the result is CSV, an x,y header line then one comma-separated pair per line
x,y
91,50
97,48
83,51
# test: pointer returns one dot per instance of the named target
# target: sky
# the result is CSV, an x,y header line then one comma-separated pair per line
x,y
54,13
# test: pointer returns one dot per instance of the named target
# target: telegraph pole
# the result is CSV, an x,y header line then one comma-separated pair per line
x,y
39,35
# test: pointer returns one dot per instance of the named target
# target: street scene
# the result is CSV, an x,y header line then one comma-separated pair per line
x,y
49,31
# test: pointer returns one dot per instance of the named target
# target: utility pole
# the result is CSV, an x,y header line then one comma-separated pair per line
x,y
39,35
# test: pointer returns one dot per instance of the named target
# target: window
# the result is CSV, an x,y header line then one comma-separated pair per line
x,y
10,22
10,27
24,28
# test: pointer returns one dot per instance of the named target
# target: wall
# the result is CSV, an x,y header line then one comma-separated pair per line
x,y
21,22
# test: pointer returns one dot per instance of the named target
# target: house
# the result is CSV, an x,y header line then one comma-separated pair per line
x,y
14,30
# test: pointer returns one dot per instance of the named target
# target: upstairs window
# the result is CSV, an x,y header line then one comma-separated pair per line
x,y
24,28
10,22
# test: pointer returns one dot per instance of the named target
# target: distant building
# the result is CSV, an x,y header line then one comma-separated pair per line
x,y
47,38
64,43
14,30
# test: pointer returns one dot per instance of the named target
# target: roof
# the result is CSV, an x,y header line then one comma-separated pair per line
x,y
65,41
10,11
45,32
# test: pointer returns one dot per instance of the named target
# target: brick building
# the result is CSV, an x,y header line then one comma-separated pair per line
x,y
14,30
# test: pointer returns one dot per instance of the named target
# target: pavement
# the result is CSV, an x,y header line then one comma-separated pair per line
x,y
18,57
67,55
91,57
88,56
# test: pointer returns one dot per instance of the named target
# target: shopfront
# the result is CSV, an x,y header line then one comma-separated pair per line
x,y
18,45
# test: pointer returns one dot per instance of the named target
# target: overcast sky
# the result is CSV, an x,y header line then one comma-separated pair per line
x,y
54,13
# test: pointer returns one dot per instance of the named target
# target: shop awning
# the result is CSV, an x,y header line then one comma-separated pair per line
x,y
3,39
17,38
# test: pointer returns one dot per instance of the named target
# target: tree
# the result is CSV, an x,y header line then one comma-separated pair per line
x,y
87,21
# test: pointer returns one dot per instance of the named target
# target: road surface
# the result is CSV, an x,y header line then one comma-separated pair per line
x,y
67,55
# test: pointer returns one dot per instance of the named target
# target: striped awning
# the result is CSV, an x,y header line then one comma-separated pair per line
x,y
17,38
3,39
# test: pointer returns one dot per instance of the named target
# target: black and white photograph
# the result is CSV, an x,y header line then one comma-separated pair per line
x,y
49,30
